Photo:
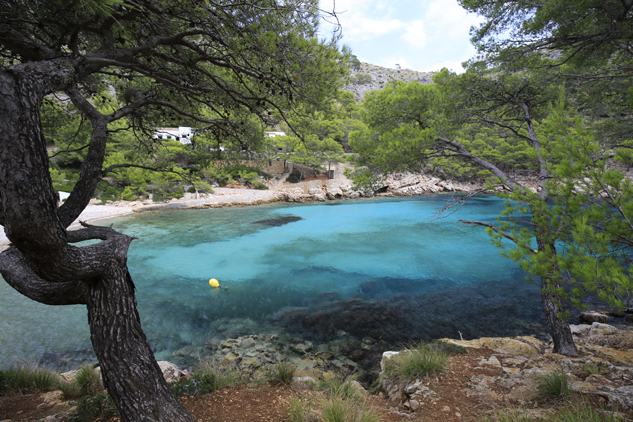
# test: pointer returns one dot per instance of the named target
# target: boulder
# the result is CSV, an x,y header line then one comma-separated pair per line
x,y
53,397
170,371
522,346
590,317
598,329
623,396
581,330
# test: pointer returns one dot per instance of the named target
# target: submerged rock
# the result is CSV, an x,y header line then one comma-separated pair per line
x,y
280,221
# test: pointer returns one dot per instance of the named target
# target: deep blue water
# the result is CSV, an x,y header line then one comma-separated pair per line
x,y
385,269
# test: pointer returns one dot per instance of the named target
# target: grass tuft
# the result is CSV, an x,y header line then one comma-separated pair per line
x,y
207,379
284,374
301,410
553,385
591,369
343,388
89,408
579,412
426,359
22,378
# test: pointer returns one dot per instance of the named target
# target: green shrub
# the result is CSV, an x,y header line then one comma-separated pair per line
x,y
128,194
207,379
294,177
284,374
158,195
426,359
196,385
258,185
177,193
553,385
191,189
99,405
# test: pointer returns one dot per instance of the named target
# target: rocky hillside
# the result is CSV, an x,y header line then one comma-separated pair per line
x,y
369,77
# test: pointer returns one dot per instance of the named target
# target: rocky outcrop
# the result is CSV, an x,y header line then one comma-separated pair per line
x,y
604,368
258,355
593,316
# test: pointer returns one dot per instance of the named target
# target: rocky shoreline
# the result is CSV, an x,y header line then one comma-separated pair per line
x,y
495,373
307,191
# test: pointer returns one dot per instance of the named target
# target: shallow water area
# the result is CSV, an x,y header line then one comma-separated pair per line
x,y
379,269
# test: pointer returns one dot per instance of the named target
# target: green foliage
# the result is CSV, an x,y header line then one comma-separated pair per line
x,y
553,385
89,408
206,379
128,195
361,79
294,177
27,378
343,388
301,410
283,374
576,412
88,380
418,362
338,410
591,369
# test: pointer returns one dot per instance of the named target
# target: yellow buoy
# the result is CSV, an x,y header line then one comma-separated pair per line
x,y
214,283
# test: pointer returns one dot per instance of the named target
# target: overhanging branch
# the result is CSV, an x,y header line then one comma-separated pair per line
x,y
17,273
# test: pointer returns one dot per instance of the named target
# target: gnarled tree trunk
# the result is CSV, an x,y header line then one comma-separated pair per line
x,y
43,264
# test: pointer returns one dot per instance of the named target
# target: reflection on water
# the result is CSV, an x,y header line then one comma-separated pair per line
x,y
379,268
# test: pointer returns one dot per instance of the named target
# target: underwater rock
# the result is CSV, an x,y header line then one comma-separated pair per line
x,y
279,221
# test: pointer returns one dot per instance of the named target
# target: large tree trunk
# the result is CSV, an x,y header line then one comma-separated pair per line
x,y
43,264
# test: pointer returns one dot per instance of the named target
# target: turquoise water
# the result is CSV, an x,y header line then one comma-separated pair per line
x,y
384,269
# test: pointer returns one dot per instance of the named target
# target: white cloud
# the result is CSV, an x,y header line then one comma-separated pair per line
x,y
415,34
362,28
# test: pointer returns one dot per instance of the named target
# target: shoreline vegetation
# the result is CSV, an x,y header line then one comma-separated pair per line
x,y
310,190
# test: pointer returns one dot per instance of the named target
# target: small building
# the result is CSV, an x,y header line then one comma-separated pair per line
x,y
273,134
182,134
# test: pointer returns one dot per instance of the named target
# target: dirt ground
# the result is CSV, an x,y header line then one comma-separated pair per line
x,y
271,403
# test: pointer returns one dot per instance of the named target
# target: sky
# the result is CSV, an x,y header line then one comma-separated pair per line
x,y
422,35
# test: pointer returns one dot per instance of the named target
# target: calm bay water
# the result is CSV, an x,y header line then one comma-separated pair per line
x,y
380,268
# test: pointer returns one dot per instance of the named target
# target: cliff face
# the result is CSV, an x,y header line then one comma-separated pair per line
x,y
369,77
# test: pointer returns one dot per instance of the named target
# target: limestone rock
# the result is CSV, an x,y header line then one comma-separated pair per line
x,y
598,329
170,371
53,397
385,357
623,396
581,330
522,346
592,316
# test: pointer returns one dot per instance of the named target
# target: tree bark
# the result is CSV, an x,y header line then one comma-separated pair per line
x,y
43,265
